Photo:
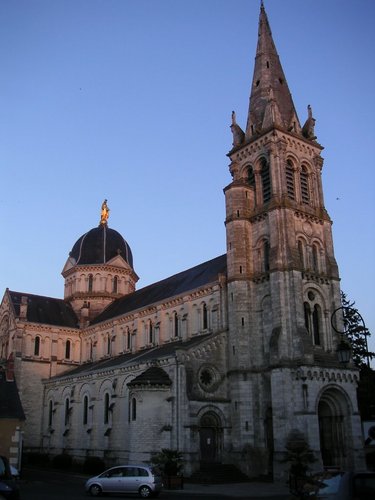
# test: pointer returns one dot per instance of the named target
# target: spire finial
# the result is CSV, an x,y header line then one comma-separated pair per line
x,y
104,213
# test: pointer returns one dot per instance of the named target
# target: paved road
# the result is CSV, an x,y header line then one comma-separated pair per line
x,y
50,485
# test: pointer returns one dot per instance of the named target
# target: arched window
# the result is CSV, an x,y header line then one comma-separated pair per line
x,y
67,412
150,333
90,283
289,175
251,177
115,284
266,256
85,410
37,346
50,413
307,313
109,345
315,258
67,349
176,325
301,254
316,318
266,181
106,408
304,181
128,340
205,317
134,409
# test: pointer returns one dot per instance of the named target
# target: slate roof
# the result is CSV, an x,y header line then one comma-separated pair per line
x,y
127,359
188,280
10,403
152,376
46,310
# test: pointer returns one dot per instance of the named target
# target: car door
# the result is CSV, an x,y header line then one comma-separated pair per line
x,y
130,483
112,481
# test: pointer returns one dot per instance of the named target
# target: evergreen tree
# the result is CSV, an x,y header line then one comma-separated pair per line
x,y
356,333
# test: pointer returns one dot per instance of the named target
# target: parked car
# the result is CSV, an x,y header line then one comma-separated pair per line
x,y
338,485
8,486
142,479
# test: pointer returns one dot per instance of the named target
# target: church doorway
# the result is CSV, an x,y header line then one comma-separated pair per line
x,y
333,413
209,437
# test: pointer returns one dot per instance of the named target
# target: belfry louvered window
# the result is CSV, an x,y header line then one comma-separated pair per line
x,y
304,180
289,175
266,181
251,177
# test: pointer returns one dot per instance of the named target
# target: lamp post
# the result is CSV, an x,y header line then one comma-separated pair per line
x,y
344,349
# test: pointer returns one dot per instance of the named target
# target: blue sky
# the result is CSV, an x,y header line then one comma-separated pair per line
x,y
131,101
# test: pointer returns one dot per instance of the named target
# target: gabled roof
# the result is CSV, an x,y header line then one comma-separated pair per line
x,y
46,310
127,359
10,403
188,280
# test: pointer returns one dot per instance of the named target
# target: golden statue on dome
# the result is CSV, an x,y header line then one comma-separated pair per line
x,y
104,213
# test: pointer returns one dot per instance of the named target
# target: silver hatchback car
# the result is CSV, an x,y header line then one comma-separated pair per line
x,y
142,479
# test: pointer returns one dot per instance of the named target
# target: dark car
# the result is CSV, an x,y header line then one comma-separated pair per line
x,y
8,486
338,485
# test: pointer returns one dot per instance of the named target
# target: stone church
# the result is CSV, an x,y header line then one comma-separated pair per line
x,y
222,361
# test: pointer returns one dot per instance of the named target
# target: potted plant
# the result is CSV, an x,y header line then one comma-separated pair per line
x,y
170,463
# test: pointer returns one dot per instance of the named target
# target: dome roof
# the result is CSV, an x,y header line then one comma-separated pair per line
x,y
100,245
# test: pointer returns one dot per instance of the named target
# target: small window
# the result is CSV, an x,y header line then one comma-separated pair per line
x,y
205,317
316,324
266,256
301,254
307,314
289,175
67,349
50,413
106,408
115,284
266,181
67,412
90,283
129,340
37,346
176,325
85,410
251,177
134,409
304,181
315,258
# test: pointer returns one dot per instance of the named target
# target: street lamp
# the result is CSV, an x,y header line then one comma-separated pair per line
x,y
344,349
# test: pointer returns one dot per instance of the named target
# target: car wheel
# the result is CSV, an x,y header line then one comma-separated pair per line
x,y
95,490
144,492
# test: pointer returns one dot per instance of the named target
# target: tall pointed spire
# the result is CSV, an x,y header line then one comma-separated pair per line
x,y
271,103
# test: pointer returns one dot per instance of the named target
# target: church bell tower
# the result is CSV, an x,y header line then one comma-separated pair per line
x,y
283,282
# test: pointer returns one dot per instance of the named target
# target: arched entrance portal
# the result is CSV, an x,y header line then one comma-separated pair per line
x,y
334,429
210,437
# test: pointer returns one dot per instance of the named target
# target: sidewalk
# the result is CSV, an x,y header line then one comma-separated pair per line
x,y
247,489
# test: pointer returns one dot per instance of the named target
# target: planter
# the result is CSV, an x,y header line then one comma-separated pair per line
x,y
173,482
